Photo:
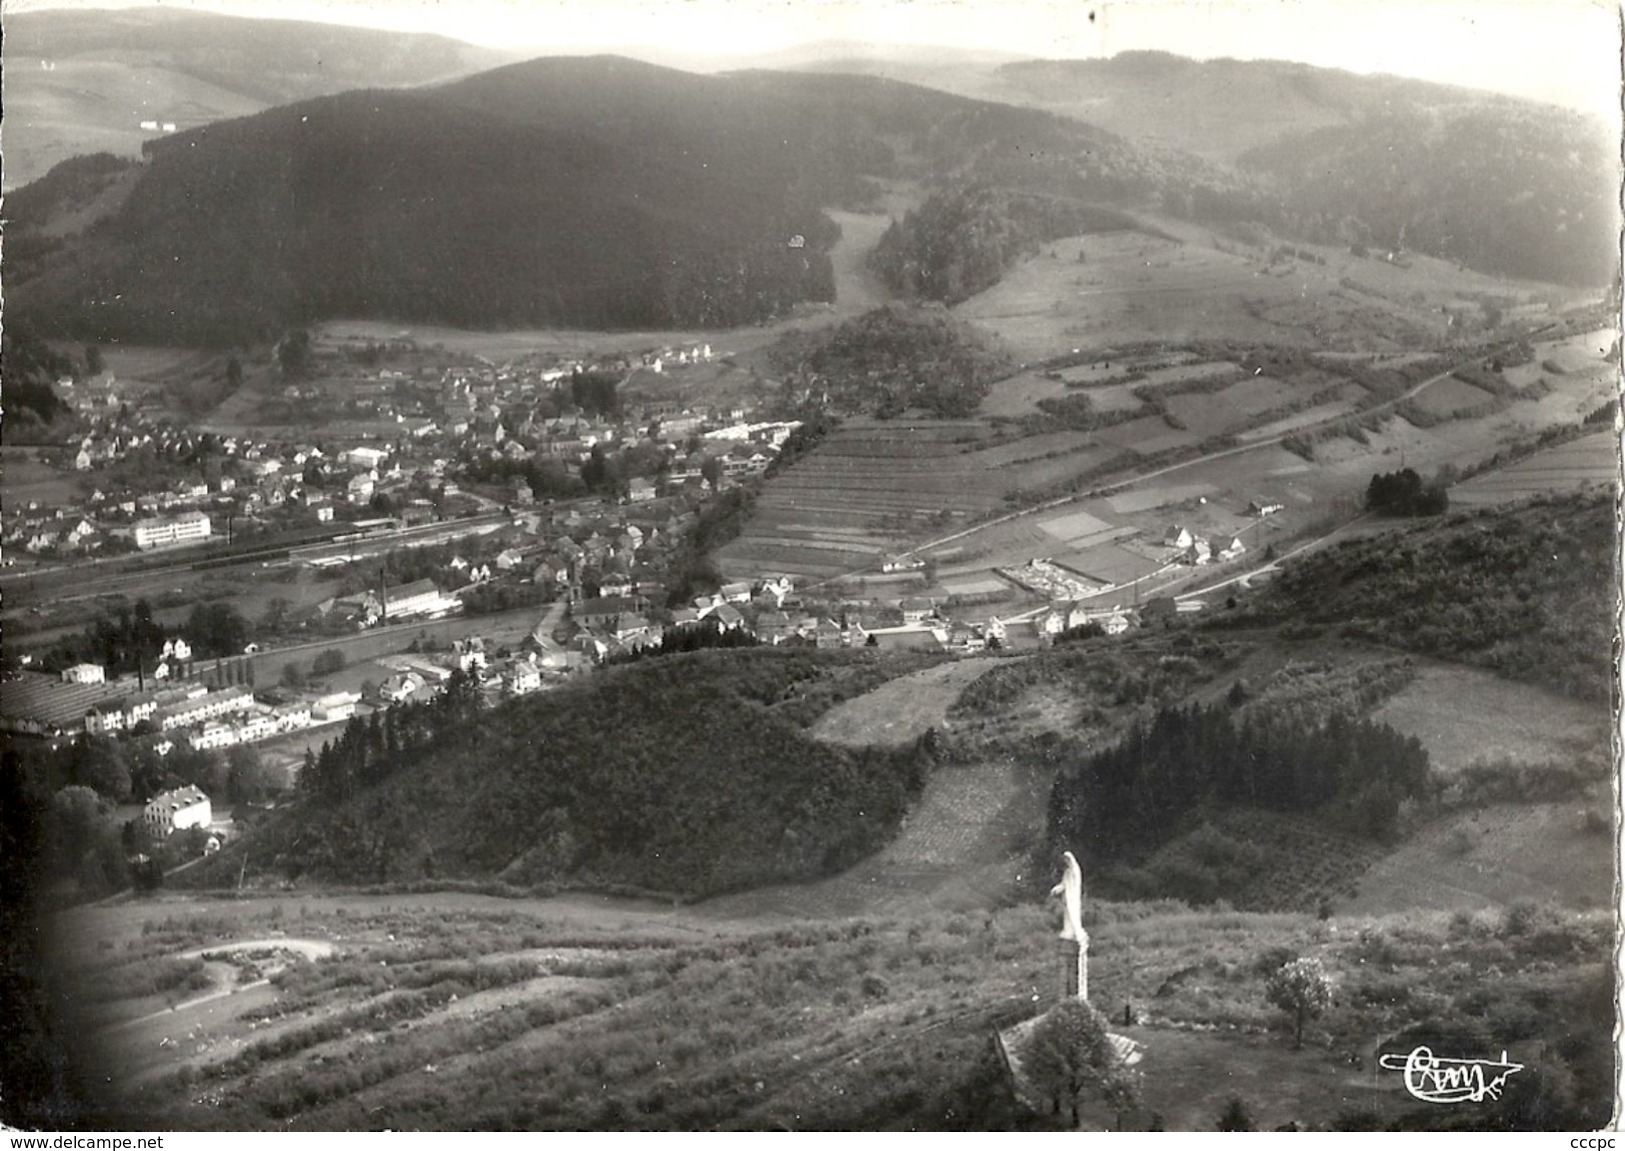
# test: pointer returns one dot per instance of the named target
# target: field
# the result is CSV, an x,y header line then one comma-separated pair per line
x,y
1464,716
1450,396
1128,287
1575,466
26,478
902,710
1480,859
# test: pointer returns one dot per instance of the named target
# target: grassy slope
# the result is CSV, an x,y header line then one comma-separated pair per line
x,y
864,1024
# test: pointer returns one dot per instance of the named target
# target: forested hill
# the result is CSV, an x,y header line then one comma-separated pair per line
x,y
1528,592
590,192
687,774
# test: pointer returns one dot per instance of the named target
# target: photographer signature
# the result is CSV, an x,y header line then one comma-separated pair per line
x,y
1435,1080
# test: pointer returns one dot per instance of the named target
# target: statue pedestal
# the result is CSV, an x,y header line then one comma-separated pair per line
x,y
1074,959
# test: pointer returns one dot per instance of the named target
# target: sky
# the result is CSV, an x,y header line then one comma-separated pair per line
x,y
1560,51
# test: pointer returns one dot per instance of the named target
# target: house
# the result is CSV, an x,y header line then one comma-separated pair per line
x,y
1233,549
1198,553
604,610
1262,506
522,677
1178,537
735,592
339,705
615,585
550,654
400,687
469,653
728,617
773,627
916,610
85,673
364,458
421,597
212,735
360,488
107,716
177,810
640,490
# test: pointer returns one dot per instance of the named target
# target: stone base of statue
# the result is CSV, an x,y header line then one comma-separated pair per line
x,y
1074,966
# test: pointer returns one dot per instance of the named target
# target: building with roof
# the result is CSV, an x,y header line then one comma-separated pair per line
x,y
168,531
177,810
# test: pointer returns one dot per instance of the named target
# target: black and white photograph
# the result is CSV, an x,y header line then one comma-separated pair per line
x,y
857,565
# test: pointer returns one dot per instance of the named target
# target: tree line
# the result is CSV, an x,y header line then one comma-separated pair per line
x,y
1121,803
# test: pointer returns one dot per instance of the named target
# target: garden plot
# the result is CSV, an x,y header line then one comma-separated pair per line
x,y
1074,525
975,587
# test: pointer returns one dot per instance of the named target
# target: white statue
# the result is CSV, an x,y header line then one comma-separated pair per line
x,y
1070,889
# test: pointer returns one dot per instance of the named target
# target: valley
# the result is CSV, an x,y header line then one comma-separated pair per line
x,y
567,594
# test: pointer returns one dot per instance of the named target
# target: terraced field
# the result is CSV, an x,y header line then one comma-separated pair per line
x,y
1574,466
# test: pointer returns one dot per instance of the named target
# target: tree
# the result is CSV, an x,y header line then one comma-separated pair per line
x,y
328,662
292,676
234,373
1236,1116
1070,1053
99,765
293,354
1303,990
245,774
93,360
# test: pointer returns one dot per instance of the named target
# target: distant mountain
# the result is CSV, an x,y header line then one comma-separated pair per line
x,y
84,81
593,192
1493,182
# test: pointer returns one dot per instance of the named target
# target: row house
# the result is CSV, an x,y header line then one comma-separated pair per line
x,y
212,735
209,706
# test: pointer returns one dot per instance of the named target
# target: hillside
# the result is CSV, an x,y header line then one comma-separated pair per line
x,y
1526,592
1498,184
687,775
79,82
448,1012
594,192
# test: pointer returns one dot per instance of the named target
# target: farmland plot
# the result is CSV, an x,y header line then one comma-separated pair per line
x,y
1463,716
1449,396
1574,466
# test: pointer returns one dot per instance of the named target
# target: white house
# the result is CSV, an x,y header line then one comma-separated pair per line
x,y
177,810
85,673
